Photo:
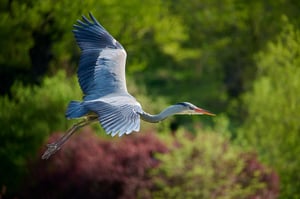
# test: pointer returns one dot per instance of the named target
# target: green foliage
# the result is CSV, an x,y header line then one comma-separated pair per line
x,y
226,34
200,51
27,118
44,39
33,112
273,106
205,167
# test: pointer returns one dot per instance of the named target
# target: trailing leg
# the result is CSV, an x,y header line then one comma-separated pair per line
x,y
55,146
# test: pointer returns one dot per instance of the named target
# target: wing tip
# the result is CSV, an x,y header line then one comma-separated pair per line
x,y
85,21
94,19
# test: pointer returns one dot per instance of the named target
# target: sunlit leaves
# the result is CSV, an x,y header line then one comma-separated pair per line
x,y
273,105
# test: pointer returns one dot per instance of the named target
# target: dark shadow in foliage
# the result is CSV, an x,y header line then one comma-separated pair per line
x,y
91,167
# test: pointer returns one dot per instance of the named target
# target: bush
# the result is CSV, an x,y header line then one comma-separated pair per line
x,y
89,167
141,166
208,167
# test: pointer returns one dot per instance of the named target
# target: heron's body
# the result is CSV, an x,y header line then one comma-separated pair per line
x,y
101,75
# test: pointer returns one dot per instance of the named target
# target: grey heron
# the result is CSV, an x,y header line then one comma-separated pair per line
x,y
101,75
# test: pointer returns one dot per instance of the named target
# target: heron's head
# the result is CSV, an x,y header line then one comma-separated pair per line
x,y
189,108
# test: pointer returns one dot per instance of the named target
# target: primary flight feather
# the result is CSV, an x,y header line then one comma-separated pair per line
x,y
101,75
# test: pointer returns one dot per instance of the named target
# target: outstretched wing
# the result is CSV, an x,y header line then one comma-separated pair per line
x,y
117,118
102,63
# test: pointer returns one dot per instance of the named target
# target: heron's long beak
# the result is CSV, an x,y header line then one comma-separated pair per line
x,y
204,112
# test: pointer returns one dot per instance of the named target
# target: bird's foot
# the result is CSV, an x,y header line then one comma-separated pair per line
x,y
51,149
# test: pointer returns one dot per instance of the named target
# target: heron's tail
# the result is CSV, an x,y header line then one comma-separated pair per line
x,y
75,109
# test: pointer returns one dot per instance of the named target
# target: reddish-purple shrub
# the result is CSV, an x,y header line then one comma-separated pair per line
x,y
267,176
90,167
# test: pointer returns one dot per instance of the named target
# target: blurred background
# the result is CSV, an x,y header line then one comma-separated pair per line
x,y
238,59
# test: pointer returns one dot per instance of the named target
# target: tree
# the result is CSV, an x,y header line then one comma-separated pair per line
x,y
272,125
42,42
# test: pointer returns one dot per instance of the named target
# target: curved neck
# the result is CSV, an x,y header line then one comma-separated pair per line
x,y
171,110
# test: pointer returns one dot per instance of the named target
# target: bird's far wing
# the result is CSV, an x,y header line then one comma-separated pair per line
x,y
102,62
119,120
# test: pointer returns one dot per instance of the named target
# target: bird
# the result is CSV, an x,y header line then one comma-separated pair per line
x,y
101,76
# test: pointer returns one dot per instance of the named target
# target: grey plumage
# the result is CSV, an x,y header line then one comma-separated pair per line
x,y
102,79
101,75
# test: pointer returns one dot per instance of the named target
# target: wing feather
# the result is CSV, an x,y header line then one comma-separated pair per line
x,y
102,62
116,119
101,75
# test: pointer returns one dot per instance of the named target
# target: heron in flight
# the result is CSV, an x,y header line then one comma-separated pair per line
x,y
101,75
